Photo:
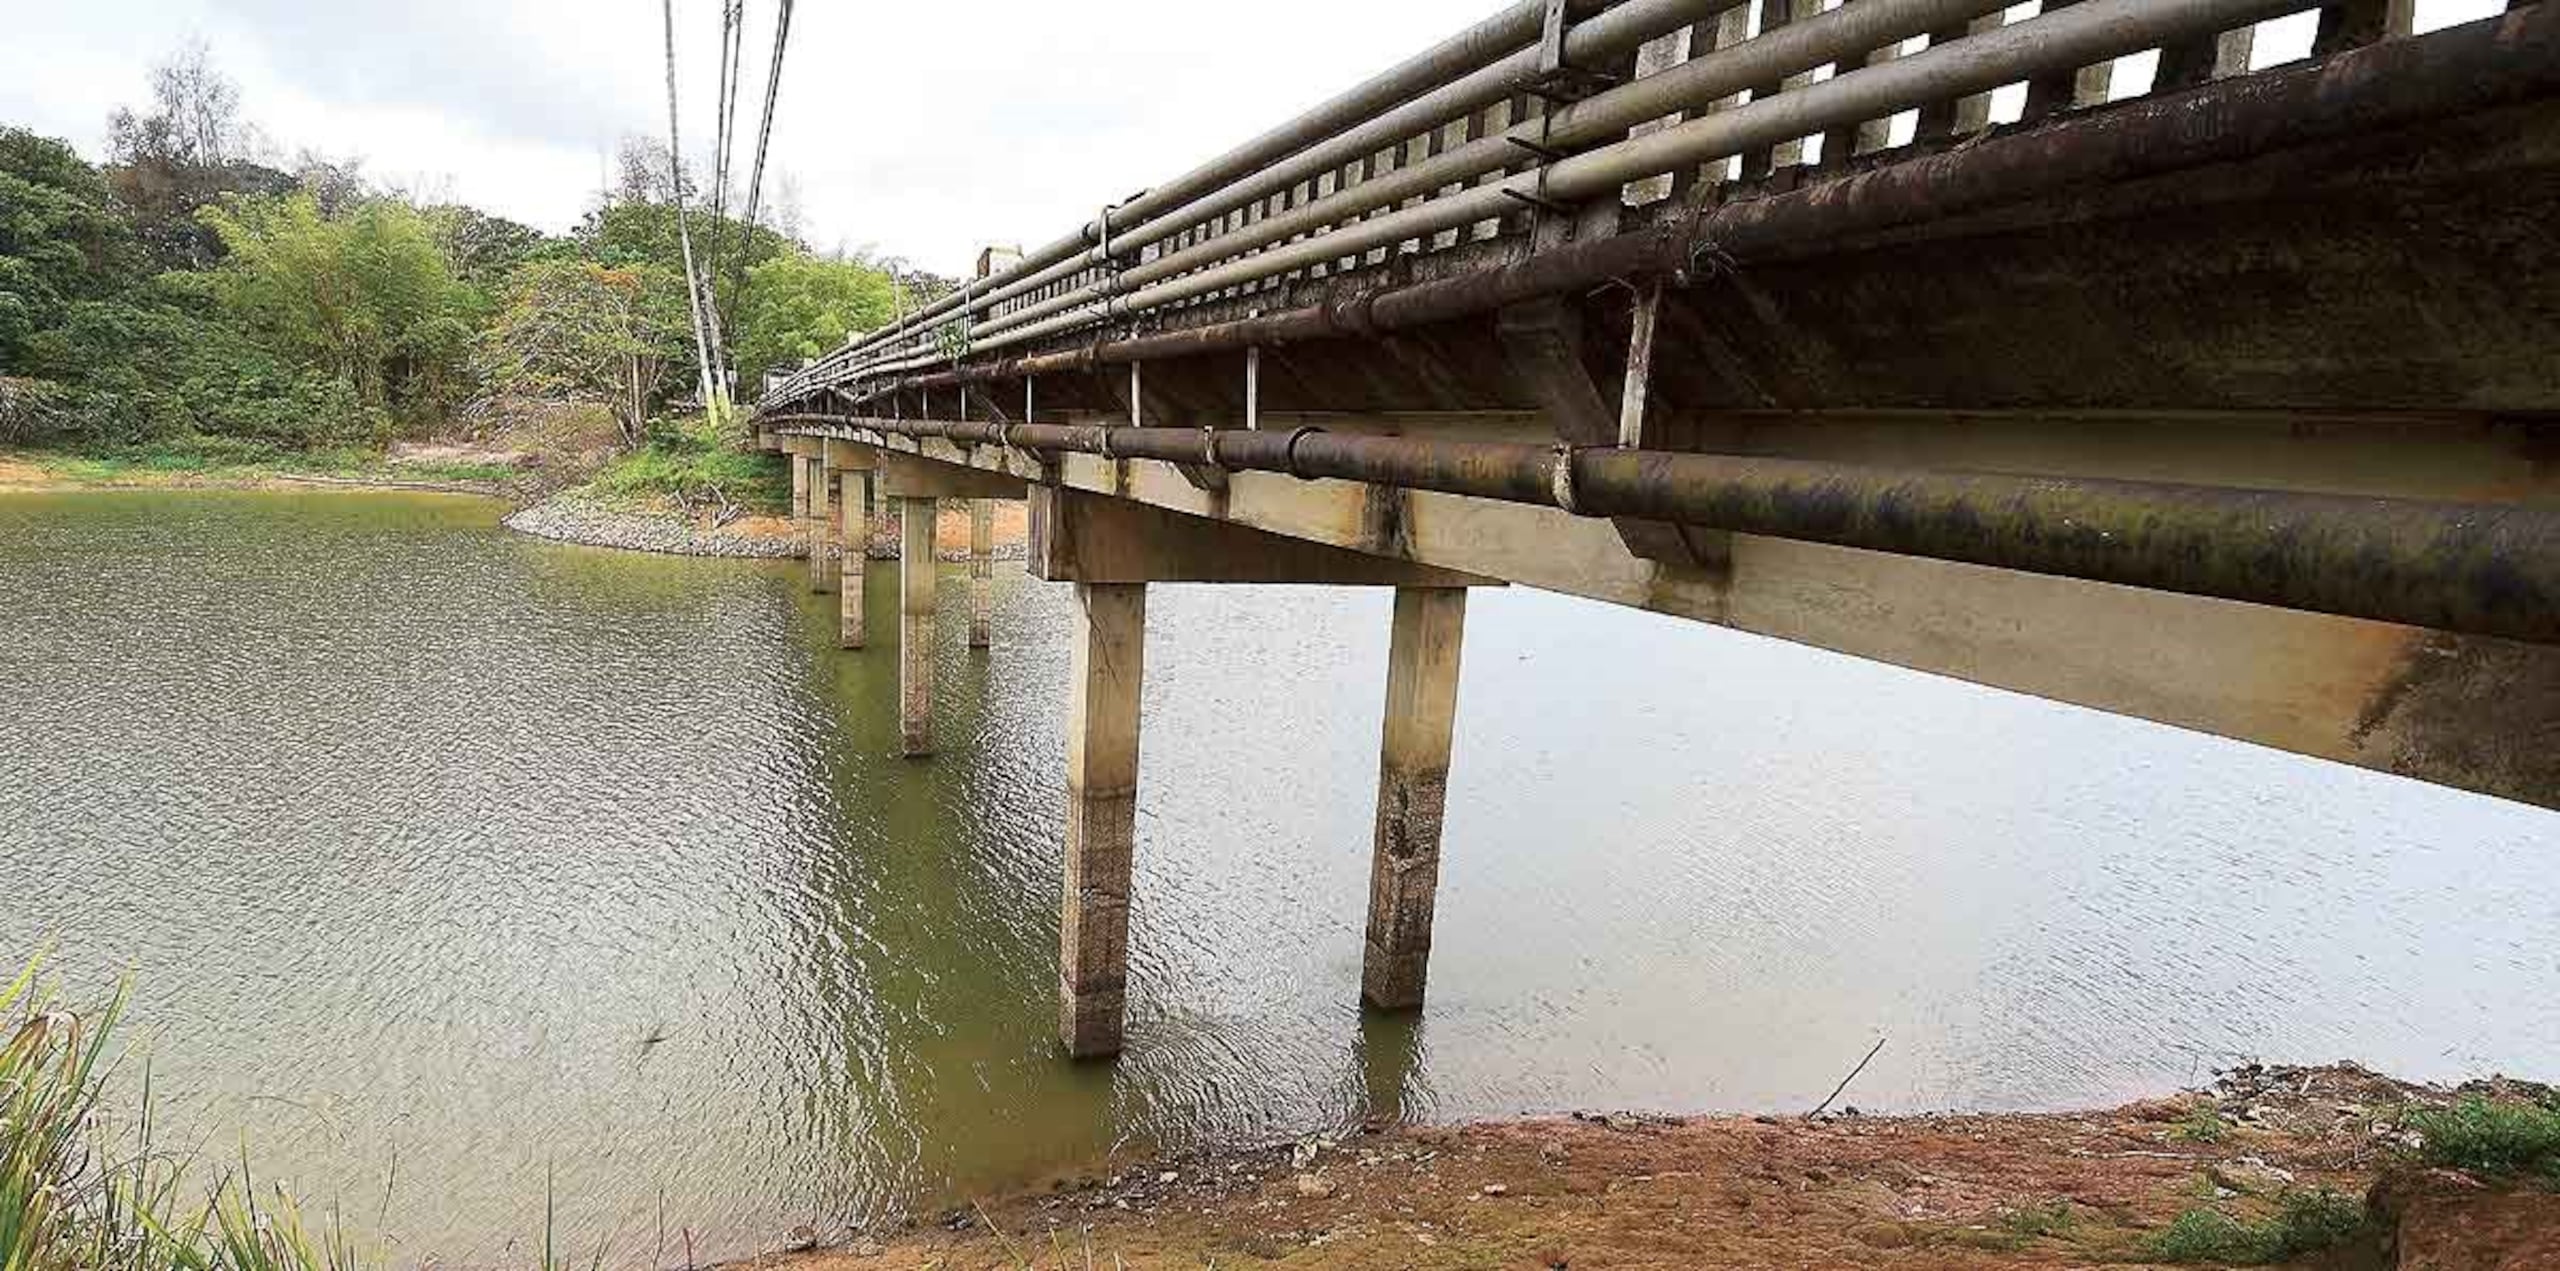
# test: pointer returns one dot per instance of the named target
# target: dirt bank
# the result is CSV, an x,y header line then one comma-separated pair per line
x,y
2131,1186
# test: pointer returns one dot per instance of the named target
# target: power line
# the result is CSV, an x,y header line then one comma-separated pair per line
x,y
764,140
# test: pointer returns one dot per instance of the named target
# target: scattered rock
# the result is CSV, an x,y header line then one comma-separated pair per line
x,y
1496,1189
1313,1187
566,519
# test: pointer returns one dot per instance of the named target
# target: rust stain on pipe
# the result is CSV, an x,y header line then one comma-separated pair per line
x,y
2481,569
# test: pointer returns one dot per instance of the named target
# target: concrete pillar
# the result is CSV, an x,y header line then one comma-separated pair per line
x,y
853,497
799,495
1109,663
982,571
915,626
821,527
1413,792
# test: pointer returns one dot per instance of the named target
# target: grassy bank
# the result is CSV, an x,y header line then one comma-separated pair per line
x,y
688,465
217,461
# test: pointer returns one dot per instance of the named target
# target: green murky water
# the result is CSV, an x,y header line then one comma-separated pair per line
x,y
447,861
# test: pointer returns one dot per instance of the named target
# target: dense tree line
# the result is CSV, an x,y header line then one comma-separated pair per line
x,y
191,287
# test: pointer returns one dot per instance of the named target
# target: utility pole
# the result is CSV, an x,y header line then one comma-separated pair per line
x,y
713,390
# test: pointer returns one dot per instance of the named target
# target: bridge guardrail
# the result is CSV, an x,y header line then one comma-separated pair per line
x,y
1517,127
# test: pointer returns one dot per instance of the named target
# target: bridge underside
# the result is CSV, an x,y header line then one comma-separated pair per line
x,y
2234,407
2366,311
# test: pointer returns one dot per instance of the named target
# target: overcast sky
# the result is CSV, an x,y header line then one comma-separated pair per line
x,y
924,129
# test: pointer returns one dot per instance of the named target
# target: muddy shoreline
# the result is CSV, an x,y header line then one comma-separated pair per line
x,y
2100,1188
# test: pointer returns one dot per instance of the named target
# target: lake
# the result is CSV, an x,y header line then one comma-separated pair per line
x,y
455,869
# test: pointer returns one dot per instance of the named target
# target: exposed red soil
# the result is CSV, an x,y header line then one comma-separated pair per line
x,y
2048,1190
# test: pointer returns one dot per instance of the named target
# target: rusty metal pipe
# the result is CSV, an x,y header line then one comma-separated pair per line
x,y
1517,24
1706,77
2088,31
1603,35
2478,569
2477,66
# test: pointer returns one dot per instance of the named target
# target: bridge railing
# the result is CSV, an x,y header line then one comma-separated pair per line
x,y
1552,118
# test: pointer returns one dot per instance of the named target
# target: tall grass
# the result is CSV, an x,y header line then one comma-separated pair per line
x,y
77,1196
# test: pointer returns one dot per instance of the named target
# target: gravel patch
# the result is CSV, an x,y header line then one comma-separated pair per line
x,y
567,520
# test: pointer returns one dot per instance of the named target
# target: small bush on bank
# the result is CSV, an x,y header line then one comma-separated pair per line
x,y
688,462
2203,1124
2496,1138
2305,1222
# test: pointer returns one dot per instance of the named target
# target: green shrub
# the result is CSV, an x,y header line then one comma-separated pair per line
x,y
2029,1221
686,460
2305,1222
2202,1124
2498,1138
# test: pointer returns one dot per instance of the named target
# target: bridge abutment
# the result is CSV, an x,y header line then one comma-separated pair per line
x,y
1413,793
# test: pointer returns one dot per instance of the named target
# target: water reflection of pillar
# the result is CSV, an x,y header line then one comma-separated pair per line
x,y
1389,1063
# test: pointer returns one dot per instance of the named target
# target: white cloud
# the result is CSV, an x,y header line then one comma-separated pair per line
x,y
927,130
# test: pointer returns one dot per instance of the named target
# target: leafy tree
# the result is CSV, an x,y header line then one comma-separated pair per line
x,y
578,331
368,297
623,234
800,306
156,365
60,238
486,250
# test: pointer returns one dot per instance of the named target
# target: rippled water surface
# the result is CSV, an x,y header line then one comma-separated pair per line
x,y
446,860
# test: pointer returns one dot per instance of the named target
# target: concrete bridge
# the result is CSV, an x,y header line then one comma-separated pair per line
x,y
1912,329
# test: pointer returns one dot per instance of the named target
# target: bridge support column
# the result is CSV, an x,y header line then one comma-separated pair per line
x,y
1413,792
1102,815
915,625
821,524
854,554
982,571
799,493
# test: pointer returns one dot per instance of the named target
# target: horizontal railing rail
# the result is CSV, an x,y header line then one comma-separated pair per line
x,y
1555,109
